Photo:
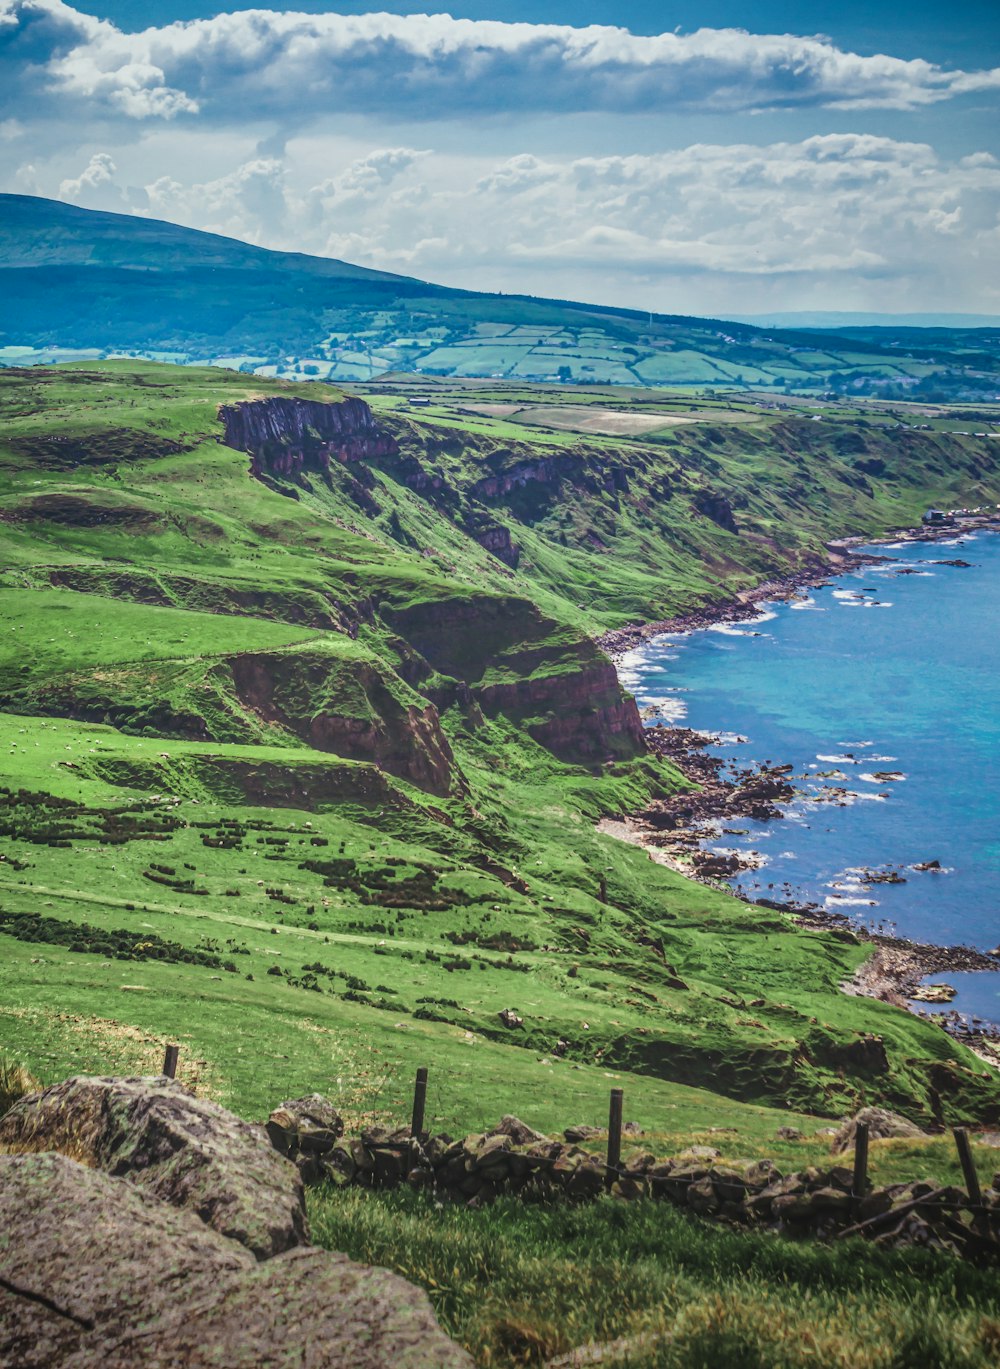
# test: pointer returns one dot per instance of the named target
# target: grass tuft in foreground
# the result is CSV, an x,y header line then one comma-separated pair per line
x,y
520,1285
15,1082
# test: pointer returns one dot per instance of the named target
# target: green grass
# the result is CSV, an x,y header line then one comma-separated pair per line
x,y
358,740
518,1285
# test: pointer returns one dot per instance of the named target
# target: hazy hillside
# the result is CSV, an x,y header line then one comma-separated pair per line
x,y
83,280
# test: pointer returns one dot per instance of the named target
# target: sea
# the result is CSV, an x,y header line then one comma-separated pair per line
x,y
882,690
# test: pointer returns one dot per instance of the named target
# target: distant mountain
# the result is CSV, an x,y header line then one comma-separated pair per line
x,y
48,233
81,279
846,319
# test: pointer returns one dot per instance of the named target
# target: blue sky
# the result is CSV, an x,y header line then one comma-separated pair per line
x,y
959,33
693,157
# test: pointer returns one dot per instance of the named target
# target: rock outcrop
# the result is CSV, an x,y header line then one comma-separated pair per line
x,y
880,1123
717,507
187,1151
286,436
497,541
98,1274
589,473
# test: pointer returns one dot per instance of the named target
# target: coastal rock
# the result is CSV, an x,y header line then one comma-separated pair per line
x,y
934,993
186,1150
160,1289
881,1124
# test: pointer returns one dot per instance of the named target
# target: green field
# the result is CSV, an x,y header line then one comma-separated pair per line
x,y
316,731
303,761
521,1286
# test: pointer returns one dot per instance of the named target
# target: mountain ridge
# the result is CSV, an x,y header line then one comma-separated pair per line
x,y
69,276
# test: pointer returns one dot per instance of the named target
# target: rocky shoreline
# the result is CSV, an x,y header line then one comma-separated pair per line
x,y
673,831
840,559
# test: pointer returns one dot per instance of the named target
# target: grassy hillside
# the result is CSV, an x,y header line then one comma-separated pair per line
x,y
68,276
302,774
657,1289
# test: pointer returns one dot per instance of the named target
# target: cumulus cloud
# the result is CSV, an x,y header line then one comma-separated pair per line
x,y
846,208
96,186
276,64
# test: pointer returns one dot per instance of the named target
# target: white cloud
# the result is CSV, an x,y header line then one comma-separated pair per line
x,y
96,186
262,63
849,212
284,129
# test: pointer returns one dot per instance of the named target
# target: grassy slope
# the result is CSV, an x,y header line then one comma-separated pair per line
x,y
143,563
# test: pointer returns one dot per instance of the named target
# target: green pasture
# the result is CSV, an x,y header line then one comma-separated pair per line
x,y
300,727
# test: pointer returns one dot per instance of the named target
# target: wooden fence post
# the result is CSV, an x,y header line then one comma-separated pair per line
x,y
971,1177
859,1185
170,1061
419,1099
614,1138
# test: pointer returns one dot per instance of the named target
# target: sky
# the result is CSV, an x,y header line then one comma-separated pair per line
x,y
700,158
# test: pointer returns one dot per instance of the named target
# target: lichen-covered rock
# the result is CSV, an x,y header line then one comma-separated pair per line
x,y
159,1289
306,1307
880,1122
188,1151
89,1253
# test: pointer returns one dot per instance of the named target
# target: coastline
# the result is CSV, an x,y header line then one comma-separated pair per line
x,y
840,559
673,831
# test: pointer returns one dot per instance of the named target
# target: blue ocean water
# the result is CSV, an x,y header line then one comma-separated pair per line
x,y
882,689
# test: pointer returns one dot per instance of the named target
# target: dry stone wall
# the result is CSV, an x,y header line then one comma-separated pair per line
x,y
514,1160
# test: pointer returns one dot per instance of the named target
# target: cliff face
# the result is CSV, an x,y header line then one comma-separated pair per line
x,y
590,475
500,654
285,436
515,661
352,712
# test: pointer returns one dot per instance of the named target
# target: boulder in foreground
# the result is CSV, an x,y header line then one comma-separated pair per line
x,y
188,1151
98,1274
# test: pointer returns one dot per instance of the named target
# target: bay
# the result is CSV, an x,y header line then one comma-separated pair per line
x,y
882,689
